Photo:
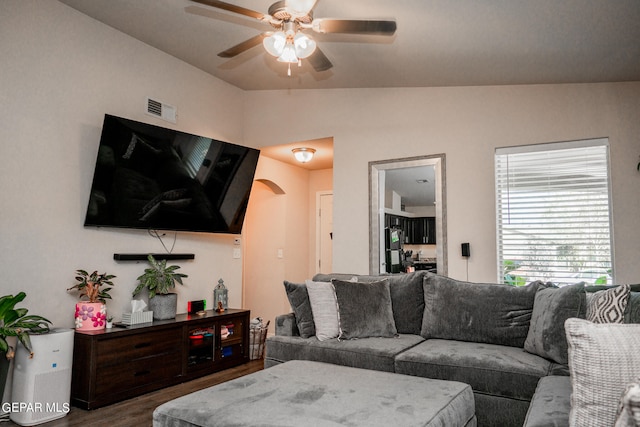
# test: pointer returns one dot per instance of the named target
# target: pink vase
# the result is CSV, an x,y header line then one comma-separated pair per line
x,y
90,316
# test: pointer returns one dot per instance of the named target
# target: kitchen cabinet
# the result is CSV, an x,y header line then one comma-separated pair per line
x,y
417,231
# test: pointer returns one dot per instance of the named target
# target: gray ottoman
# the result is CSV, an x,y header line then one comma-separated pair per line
x,y
303,393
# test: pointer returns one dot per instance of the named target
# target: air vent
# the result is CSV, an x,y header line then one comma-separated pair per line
x,y
160,110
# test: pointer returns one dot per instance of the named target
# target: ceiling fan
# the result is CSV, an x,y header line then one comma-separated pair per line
x,y
290,19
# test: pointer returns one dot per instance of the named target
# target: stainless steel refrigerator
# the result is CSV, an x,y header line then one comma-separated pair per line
x,y
394,242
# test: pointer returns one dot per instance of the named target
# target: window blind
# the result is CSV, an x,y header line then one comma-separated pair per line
x,y
553,213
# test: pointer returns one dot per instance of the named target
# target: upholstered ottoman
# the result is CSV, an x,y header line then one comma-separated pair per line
x,y
304,393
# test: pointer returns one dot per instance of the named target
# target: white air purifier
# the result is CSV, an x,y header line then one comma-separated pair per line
x,y
42,385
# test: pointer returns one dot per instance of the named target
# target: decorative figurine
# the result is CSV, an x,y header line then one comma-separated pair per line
x,y
220,308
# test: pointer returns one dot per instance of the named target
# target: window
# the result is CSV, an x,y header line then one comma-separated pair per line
x,y
553,213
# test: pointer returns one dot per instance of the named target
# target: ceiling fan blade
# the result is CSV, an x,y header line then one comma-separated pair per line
x,y
355,26
242,47
319,61
232,8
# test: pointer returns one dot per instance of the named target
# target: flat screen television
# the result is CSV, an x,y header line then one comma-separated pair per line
x,y
154,178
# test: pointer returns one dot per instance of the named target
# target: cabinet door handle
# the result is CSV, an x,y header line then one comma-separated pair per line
x,y
141,373
142,345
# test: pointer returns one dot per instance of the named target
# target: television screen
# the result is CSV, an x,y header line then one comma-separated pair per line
x,y
155,178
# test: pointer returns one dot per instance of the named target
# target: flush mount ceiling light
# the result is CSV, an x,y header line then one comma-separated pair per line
x,y
303,154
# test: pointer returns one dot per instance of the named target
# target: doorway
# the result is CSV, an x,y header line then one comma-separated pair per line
x,y
377,172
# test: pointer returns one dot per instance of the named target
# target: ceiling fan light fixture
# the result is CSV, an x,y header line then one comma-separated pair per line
x,y
299,7
303,154
304,45
275,43
288,54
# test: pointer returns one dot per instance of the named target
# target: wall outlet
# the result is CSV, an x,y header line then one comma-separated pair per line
x,y
236,253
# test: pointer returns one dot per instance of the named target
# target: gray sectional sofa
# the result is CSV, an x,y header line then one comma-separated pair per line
x,y
501,340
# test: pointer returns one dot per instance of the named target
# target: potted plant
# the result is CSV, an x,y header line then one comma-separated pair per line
x,y
91,311
14,322
159,280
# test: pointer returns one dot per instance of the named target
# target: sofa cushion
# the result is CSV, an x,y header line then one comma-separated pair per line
x,y
552,307
489,368
551,403
407,296
299,300
477,312
368,353
632,313
608,306
324,306
603,360
364,309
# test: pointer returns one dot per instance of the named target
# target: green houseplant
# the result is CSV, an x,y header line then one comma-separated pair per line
x,y
91,311
14,322
159,279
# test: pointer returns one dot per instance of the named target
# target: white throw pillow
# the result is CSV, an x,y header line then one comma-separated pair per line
x,y
603,360
324,305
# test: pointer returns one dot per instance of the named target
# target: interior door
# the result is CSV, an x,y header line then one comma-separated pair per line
x,y
325,233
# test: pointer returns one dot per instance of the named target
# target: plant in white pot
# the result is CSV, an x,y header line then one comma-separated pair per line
x,y
14,322
91,311
159,279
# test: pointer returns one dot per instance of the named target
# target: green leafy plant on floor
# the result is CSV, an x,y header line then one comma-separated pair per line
x,y
508,266
14,322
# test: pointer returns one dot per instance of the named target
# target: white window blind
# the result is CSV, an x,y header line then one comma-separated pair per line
x,y
553,214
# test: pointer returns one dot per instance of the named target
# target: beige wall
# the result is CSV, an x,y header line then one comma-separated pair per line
x,y
279,234
467,124
61,72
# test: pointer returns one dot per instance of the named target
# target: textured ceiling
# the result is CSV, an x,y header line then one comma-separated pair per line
x,y
437,43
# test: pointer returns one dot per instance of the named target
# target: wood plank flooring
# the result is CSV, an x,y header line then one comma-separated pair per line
x,y
138,411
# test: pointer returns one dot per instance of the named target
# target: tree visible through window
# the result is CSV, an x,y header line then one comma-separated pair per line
x,y
553,213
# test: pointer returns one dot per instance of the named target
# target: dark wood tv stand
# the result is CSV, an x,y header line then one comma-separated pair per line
x,y
120,363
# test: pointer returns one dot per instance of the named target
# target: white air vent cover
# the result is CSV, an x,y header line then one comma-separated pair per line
x,y
160,110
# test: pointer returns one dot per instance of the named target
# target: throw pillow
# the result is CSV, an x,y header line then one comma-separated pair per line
x,y
477,312
629,407
603,359
364,309
324,307
608,306
407,300
552,306
299,300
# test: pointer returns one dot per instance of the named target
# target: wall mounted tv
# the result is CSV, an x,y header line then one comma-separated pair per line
x,y
153,178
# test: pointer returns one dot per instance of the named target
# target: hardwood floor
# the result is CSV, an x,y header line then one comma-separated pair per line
x,y
138,411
